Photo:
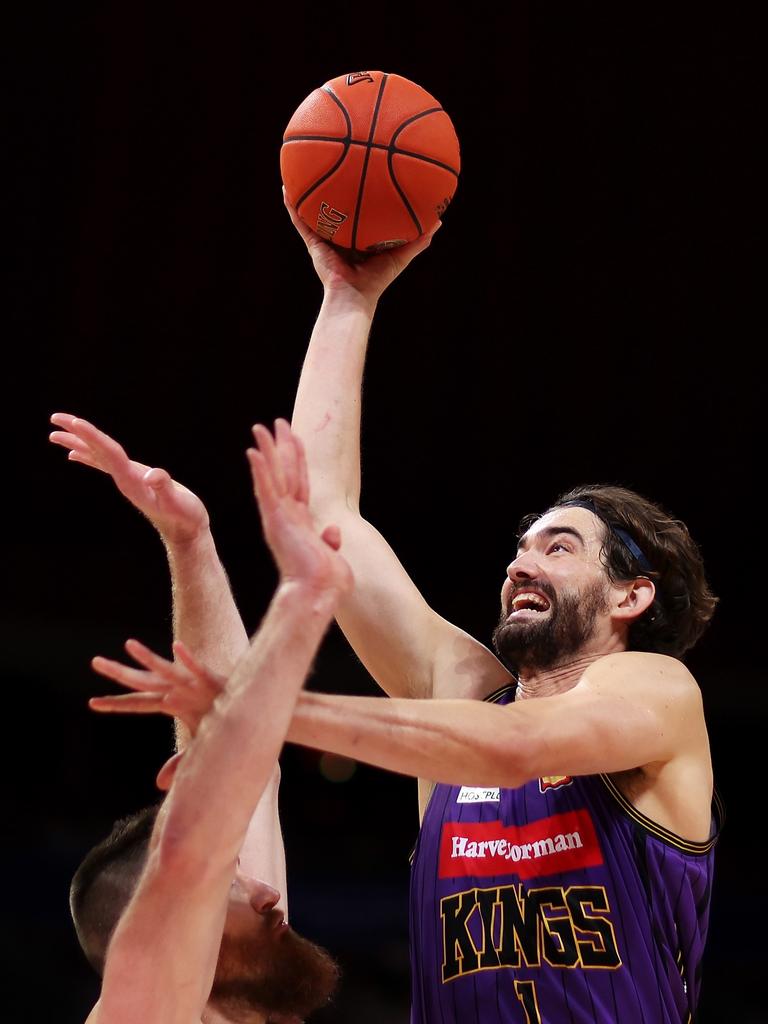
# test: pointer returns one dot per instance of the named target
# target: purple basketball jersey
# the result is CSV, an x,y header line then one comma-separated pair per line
x,y
555,903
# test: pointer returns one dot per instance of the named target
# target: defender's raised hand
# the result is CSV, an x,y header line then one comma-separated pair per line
x,y
281,485
177,513
182,689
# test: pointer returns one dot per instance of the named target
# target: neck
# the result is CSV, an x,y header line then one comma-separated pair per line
x,y
549,682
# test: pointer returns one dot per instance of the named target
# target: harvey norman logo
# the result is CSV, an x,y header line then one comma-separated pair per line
x,y
562,842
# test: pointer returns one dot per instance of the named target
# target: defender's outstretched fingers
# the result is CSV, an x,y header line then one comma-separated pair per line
x,y
266,445
302,493
133,678
185,656
266,497
151,661
286,453
135,703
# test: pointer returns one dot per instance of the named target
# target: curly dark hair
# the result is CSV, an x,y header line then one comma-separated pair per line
x,y
641,539
105,881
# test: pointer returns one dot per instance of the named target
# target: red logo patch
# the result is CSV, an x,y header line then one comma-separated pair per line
x,y
563,842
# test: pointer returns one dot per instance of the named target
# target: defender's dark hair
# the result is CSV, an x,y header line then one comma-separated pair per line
x,y
641,539
105,881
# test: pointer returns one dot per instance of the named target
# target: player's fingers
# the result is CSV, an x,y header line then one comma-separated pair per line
x,y
266,445
85,459
286,453
133,703
262,480
402,257
133,678
302,493
67,439
62,419
153,662
304,230
198,670
97,438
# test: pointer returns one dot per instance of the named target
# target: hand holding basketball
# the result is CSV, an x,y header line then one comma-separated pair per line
x,y
369,277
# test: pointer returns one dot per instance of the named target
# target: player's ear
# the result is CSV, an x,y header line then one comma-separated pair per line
x,y
638,597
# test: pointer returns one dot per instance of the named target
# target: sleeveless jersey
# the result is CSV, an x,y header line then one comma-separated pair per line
x,y
555,903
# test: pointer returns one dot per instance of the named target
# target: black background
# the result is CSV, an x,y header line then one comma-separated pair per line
x,y
584,315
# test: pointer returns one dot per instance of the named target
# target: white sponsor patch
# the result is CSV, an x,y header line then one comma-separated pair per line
x,y
477,795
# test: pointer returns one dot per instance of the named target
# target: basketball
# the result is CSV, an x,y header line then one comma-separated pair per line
x,y
370,161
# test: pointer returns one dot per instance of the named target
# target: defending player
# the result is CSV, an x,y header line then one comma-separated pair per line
x,y
200,937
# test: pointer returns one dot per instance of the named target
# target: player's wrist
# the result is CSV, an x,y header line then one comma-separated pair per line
x,y
188,541
343,297
314,596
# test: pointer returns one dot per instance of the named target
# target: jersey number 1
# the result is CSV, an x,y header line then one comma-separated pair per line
x,y
526,993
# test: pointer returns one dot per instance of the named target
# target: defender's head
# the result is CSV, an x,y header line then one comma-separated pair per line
x,y
265,971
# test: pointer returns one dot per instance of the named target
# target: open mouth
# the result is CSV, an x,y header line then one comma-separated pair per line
x,y
528,601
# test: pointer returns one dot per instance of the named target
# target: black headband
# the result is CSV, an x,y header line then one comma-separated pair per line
x,y
621,533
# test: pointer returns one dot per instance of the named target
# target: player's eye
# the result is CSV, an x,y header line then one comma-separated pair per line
x,y
557,546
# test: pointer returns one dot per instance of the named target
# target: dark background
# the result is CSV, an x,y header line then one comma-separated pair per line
x,y
584,315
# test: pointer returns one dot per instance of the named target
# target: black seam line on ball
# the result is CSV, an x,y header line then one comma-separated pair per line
x,y
371,133
402,194
394,151
405,152
373,145
339,162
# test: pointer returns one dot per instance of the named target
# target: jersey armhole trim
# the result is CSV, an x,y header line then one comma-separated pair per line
x,y
658,831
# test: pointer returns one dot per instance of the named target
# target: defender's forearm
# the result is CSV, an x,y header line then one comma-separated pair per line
x,y
238,742
205,616
459,742
328,401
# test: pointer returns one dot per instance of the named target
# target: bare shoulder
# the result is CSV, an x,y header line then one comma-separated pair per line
x,y
674,790
659,676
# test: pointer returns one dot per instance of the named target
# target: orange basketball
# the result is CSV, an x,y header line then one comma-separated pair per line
x,y
370,161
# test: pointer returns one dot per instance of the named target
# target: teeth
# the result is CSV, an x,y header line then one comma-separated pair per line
x,y
534,599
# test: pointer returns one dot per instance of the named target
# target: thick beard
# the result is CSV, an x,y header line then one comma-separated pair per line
x,y
535,646
283,974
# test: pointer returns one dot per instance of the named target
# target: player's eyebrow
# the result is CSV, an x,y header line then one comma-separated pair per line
x,y
548,533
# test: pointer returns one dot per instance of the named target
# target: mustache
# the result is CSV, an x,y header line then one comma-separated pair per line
x,y
522,588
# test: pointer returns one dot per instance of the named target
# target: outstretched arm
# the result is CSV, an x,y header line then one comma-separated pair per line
x,y
629,711
161,960
408,648
205,617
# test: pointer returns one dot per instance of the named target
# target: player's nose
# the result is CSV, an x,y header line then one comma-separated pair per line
x,y
262,897
524,567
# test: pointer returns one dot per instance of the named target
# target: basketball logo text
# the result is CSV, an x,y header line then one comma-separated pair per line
x,y
359,76
329,221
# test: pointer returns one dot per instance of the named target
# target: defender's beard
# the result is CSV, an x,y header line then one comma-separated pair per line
x,y
534,646
280,973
